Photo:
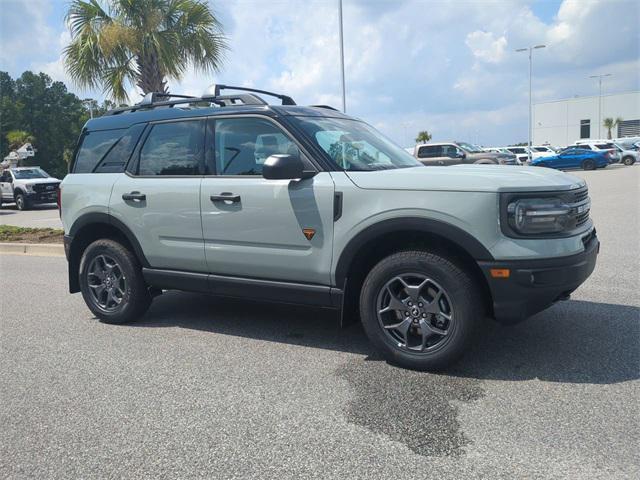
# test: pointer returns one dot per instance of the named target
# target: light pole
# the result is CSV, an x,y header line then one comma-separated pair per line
x,y
344,95
530,50
599,77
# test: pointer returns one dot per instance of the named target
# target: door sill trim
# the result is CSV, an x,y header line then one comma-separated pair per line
x,y
243,287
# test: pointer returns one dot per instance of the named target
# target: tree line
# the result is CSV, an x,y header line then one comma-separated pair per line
x,y
35,109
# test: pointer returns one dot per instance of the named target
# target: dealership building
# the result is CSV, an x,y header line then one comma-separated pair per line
x,y
562,122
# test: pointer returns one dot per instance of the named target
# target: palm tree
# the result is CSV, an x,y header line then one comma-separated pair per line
x,y
17,138
423,137
609,123
116,43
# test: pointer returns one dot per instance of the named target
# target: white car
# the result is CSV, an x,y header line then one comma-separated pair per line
x,y
539,151
28,186
628,155
600,146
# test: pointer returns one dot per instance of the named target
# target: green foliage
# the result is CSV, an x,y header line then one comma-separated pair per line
x,y
35,106
141,42
610,123
17,138
423,137
9,233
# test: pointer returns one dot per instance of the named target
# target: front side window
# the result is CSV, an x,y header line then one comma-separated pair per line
x,y
450,151
242,145
173,148
354,145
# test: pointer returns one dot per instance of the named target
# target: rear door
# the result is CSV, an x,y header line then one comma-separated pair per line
x,y
431,154
258,228
158,198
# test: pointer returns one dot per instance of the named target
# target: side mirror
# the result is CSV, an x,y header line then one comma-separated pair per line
x,y
285,167
460,154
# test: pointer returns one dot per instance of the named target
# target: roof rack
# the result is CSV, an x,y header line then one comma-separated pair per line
x,y
153,99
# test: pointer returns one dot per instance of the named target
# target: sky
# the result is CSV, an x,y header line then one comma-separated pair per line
x,y
449,67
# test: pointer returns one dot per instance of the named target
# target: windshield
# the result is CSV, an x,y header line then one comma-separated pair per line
x,y
469,147
354,145
24,174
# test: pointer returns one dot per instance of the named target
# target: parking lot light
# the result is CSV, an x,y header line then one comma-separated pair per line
x,y
530,50
600,77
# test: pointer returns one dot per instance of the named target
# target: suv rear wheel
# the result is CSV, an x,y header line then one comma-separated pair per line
x,y
111,282
420,309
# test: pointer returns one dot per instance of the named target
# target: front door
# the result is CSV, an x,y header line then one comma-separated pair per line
x,y
258,228
158,199
6,186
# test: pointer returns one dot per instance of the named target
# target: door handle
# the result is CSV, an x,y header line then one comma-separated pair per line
x,y
225,197
135,196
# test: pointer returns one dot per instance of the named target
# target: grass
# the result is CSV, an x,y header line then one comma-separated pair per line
x,y
9,233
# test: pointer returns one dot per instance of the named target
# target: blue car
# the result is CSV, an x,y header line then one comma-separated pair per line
x,y
574,158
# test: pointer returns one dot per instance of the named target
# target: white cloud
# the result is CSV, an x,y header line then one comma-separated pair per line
x,y
449,67
486,47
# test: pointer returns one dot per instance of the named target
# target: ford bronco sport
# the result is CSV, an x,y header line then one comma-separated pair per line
x,y
227,195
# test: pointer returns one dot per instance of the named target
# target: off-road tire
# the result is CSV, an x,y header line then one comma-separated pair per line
x,y
466,303
136,298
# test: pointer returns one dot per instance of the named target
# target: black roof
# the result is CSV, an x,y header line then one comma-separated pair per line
x,y
156,106
125,120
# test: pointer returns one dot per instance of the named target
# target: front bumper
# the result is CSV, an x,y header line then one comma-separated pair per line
x,y
534,285
42,197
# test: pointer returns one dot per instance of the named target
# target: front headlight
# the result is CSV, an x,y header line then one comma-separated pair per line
x,y
531,216
29,187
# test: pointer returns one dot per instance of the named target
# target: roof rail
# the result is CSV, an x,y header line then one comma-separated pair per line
x,y
153,99
326,106
217,88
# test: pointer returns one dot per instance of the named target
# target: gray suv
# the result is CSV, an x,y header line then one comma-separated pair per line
x,y
455,153
228,195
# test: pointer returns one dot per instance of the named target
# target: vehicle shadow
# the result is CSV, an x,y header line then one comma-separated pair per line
x,y
572,342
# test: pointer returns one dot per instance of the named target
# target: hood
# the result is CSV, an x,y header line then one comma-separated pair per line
x,y
38,180
467,178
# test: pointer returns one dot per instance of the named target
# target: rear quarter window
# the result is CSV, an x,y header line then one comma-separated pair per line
x,y
106,151
93,147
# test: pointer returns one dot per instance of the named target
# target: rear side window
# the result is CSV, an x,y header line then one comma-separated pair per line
x,y
430,151
605,146
93,148
173,148
586,147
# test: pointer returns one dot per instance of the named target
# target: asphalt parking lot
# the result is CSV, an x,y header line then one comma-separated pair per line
x,y
210,388
40,216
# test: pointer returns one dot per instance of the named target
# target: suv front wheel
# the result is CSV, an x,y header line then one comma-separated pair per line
x,y
420,309
111,282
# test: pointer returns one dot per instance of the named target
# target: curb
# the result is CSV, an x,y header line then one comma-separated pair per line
x,y
36,249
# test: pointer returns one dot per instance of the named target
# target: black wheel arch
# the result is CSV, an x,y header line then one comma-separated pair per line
x,y
392,235
93,226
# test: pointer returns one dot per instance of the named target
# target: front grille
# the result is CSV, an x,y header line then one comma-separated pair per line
x,y
45,187
580,194
581,205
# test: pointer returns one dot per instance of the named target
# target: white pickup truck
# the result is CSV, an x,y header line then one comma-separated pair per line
x,y
27,186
